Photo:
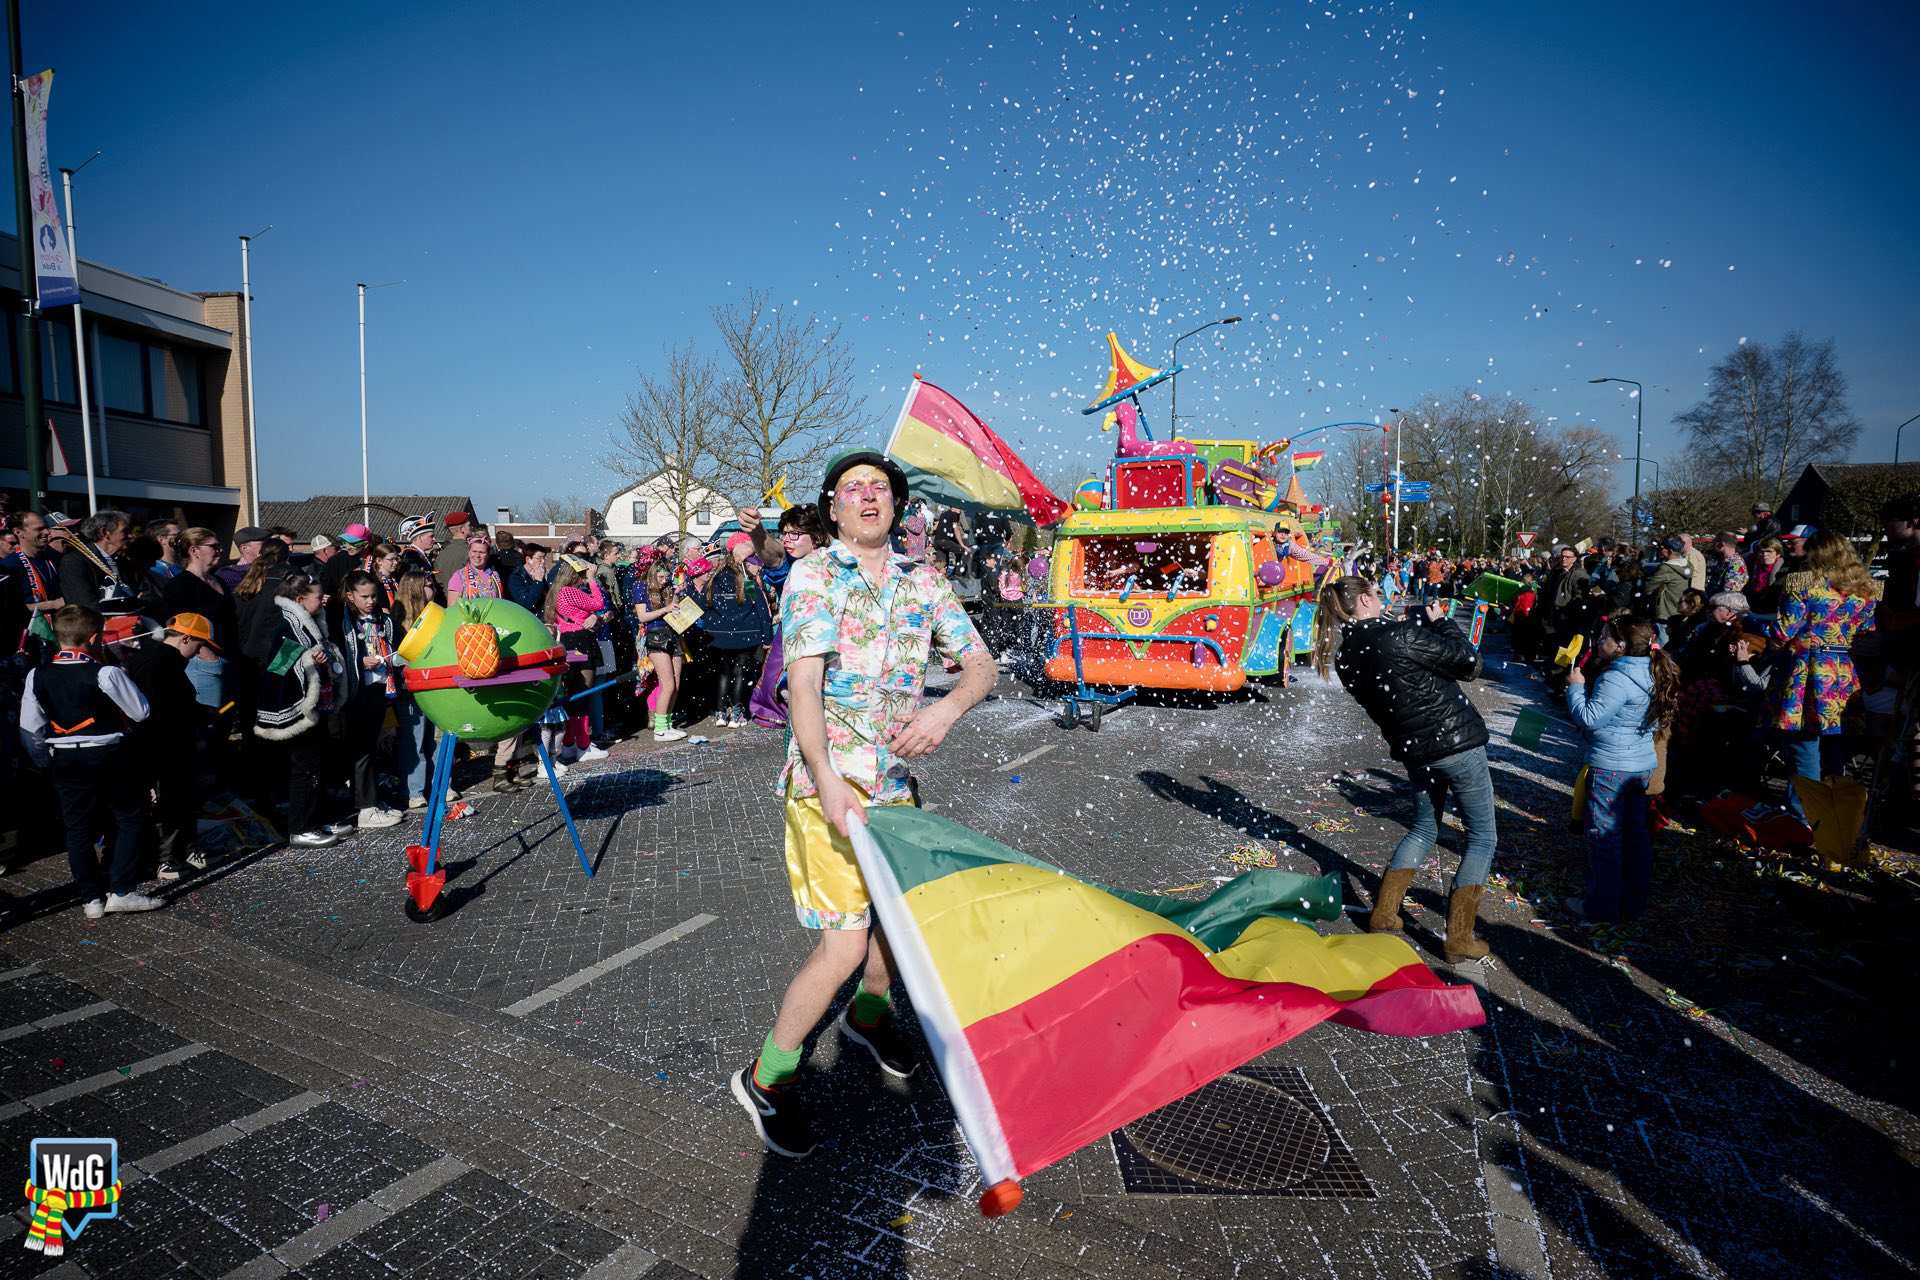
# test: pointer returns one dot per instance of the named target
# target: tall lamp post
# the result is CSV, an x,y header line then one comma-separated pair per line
x,y
366,499
246,324
1639,408
1896,435
1173,410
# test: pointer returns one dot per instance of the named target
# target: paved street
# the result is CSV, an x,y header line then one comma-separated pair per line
x,y
303,1081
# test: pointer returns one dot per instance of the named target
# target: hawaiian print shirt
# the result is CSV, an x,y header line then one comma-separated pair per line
x,y
878,640
465,584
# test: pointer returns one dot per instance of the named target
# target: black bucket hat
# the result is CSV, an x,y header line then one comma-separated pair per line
x,y
856,458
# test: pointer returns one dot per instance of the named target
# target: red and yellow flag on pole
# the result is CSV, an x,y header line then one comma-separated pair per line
x,y
1059,1011
952,457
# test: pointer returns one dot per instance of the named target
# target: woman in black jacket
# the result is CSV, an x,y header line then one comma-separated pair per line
x,y
1405,676
738,623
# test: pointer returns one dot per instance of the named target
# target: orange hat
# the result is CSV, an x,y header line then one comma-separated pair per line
x,y
195,625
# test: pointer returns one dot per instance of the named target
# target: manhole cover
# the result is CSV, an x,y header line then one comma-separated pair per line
x,y
1234,1133
1258,1131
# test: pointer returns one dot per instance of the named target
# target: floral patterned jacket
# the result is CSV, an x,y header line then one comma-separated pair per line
x,y
1816,678
877,639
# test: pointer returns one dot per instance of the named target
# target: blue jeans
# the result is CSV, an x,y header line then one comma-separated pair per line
x,y
1619,844
1811,758
413,745
1465,774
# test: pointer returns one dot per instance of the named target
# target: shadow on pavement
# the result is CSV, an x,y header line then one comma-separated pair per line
x,y
889,1150
1660,1146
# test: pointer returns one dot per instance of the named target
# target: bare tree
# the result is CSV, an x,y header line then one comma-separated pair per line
x,y
669,433
787,401
1768,413
565,509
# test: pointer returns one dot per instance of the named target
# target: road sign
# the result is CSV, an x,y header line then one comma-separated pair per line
x,y
1526,539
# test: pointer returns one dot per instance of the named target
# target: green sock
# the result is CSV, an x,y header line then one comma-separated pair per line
x,y
870,1010
777,1065
661,721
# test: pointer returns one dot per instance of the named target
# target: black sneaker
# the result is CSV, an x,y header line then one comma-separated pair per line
x,y
197,859
167,871
778,1117
883,1041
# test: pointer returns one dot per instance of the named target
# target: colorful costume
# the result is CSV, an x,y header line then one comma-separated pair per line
x,y
877,640
1818,624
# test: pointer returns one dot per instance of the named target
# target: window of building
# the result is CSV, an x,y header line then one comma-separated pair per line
x,y
703,516
59,377
173,376
123,374
639,516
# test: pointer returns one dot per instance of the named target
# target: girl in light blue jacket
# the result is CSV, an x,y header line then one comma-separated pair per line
x,y
1632,697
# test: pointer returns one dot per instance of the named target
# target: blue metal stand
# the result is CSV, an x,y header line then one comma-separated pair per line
x,y
1095,704
560,798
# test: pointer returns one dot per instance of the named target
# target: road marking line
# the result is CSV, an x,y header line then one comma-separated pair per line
x,y
1034,754
350,1222
628,1260
25,971
95,1083
52,1020
212,1140
566,986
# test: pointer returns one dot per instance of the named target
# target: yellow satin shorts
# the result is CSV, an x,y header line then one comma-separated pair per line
x,y
828,890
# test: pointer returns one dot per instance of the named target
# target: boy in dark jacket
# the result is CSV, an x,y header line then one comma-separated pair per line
x,y
74,717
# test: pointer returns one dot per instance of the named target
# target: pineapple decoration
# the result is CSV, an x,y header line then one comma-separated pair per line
x,y
476,644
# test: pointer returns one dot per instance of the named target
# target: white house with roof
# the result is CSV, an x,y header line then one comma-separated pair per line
x,y
646,511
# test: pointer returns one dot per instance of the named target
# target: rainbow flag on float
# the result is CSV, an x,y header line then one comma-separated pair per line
x,y
1059,1011
954,458
1308,459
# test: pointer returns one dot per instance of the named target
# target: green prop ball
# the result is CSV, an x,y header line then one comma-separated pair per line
x,y
490,713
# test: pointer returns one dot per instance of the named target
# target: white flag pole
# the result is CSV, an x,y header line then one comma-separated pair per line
x,y
80,345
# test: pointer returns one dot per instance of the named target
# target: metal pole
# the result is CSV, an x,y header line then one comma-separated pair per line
x,y
80,348
1896,435
366,500
1394,480
246,342
1639,411
31,409
1173,410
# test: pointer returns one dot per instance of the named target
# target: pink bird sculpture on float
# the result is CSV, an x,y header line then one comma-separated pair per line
x,y
1136,443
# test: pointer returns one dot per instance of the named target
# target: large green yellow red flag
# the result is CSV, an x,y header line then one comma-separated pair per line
x,y
953,457
1059,1011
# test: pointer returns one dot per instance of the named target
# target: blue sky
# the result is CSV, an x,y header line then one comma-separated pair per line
x,y
1400,200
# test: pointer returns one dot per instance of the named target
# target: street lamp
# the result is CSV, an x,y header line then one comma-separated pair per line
x,y
1896,435
366,500
1173,410
1639,408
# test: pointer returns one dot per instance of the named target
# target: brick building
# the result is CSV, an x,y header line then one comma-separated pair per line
x,y
166,389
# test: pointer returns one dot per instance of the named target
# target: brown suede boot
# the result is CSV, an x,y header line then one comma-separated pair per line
x,y
1386,905
1462,907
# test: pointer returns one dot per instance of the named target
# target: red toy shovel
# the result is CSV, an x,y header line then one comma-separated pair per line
x,y
417,855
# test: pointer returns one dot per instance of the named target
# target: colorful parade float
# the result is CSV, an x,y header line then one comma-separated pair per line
x,y
1188,566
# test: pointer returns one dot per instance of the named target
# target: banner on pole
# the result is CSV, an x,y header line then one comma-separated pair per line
x,y
53,267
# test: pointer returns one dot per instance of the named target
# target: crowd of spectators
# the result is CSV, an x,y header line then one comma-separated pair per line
x,y
1734,656
273,673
